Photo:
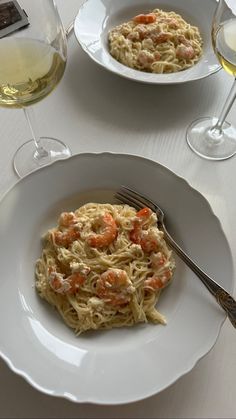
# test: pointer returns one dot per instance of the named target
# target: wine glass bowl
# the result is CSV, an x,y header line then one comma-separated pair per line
x,y
33,61
210,137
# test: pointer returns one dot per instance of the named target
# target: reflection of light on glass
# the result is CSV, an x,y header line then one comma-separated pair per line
x,y
59,348
24,304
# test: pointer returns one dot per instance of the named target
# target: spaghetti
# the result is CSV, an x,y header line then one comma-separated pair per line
x,y
157,42
104,266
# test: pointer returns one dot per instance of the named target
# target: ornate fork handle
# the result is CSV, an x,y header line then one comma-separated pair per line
x,y
222,297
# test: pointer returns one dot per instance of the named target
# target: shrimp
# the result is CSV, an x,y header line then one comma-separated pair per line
x,y
115,287
65,238
108,232
75,280
187,53
145,18
67,219
145,58
147,239
133,36
157,260
161,37
141,216
158,282
157,36
183,40
62,285
157,56
185,49
57,281
142,31
171,22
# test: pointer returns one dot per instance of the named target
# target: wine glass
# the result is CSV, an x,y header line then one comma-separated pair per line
x,y
33,55
215,138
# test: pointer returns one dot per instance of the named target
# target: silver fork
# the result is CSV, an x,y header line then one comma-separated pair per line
x,y
225,300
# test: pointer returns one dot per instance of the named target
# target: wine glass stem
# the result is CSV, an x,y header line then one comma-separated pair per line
x,y
228,104
40,152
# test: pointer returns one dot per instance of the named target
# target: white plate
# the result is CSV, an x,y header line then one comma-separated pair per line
x,y
97,17
121,365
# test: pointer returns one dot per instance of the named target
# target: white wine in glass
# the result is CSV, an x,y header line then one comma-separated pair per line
x,y
215,138
32,63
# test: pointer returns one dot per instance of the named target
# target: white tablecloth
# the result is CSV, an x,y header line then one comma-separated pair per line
x,y
83,113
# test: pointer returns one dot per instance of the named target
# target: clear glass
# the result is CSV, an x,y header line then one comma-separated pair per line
x,y
215,138
33,60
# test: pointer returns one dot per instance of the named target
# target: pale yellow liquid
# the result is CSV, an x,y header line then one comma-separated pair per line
x,y
225,46
29,71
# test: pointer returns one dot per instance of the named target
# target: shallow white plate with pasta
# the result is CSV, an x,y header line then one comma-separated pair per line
x,y
120,365
165,51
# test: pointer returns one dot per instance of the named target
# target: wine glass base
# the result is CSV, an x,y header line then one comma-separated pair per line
x,y
27,159
209,145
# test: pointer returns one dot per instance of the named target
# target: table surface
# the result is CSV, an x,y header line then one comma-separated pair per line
x,y
83,113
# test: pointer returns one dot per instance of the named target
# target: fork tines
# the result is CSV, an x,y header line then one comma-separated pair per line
x,y
133,198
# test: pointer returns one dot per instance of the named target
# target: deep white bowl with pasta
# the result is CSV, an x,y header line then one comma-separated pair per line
x,y
95,29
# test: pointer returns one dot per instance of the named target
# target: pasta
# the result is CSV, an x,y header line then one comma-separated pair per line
x,y
104,266
157,42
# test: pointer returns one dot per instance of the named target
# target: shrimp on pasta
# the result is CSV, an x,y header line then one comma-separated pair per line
x,y
105,266
156,42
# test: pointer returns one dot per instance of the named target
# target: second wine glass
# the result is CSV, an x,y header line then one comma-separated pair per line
x,y
33,61
215,138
